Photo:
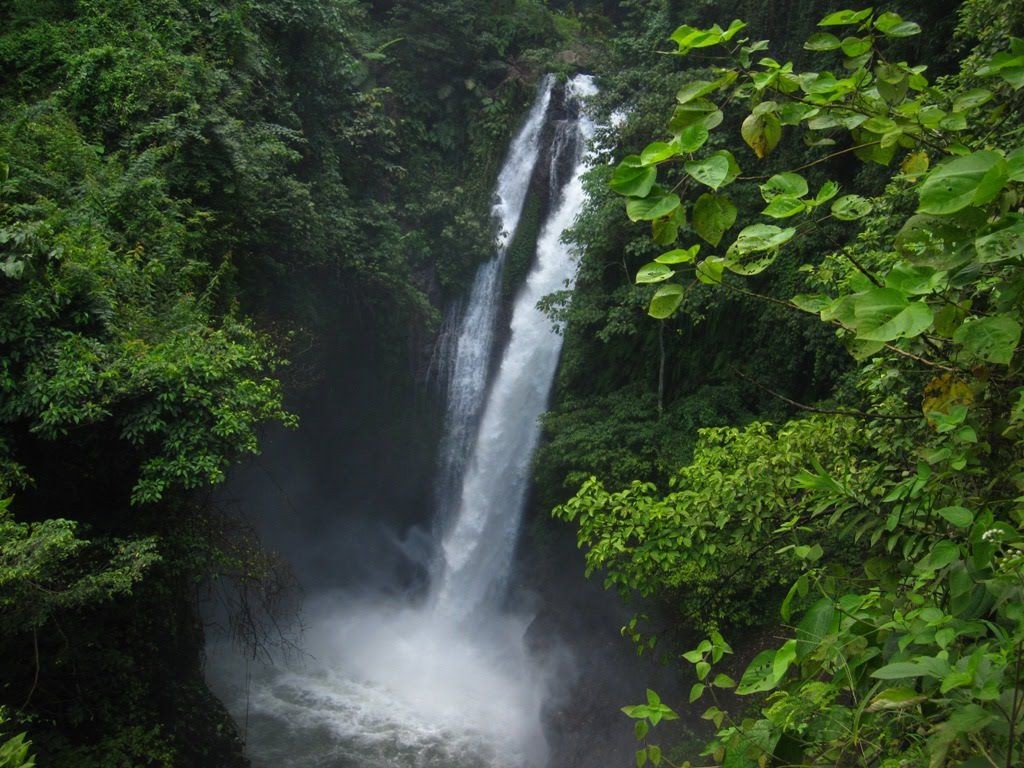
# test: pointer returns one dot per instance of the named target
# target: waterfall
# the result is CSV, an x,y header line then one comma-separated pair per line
x,y
448,681
477,551
470,355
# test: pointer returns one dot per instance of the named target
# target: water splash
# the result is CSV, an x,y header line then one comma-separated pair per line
x,y
451,682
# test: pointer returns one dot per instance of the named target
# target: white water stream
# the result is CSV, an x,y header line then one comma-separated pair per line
x,y
447,682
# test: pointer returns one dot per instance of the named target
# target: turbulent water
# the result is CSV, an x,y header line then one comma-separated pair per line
x,y
447,681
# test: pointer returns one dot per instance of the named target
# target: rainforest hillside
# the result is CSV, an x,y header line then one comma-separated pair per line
x,y
787,417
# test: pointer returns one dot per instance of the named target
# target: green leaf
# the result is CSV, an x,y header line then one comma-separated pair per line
x,y
992,339
1008,65
735,26
761,237
692,137
893,25
942,554
653,272
710,270
693,90
828,190
844,18
973,99
696,691
1015,164
914,279
641,758
678,255
942,242
759,675
856,46
799,587
1007,242
787,184
711,171
762,132
723,681
958,516
903,669
654,206
784,658
712,216
915,164
658,151
666,301
895,698
696,112
688,38
641,728
632,179
665,230
975,179
851,207
815,625
810,302
822,41
884,314
783,207
654,753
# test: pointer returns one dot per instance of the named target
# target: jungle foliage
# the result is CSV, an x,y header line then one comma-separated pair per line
x,y
885,515
185,187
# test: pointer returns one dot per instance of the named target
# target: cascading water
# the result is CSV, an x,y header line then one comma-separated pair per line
x,y
447,682
471,353
478,549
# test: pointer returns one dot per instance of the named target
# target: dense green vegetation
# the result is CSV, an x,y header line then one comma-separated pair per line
x,y
185,188
790,403
882,513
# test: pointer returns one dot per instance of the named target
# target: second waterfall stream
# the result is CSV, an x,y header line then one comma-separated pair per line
x,y
445,679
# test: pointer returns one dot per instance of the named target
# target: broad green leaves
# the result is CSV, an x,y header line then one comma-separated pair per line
x,y
851,208
845,18
654,206
933,318
712,216
822,41
816,624
784,184
972,180
893,25
762,129
666,301
658,151
678,255
958,516
711,171
687,38
633,178
761,237
885,314
761,674
654,272
992,339
1009,65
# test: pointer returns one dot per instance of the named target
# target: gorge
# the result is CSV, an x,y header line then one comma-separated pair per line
x,y
443,675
